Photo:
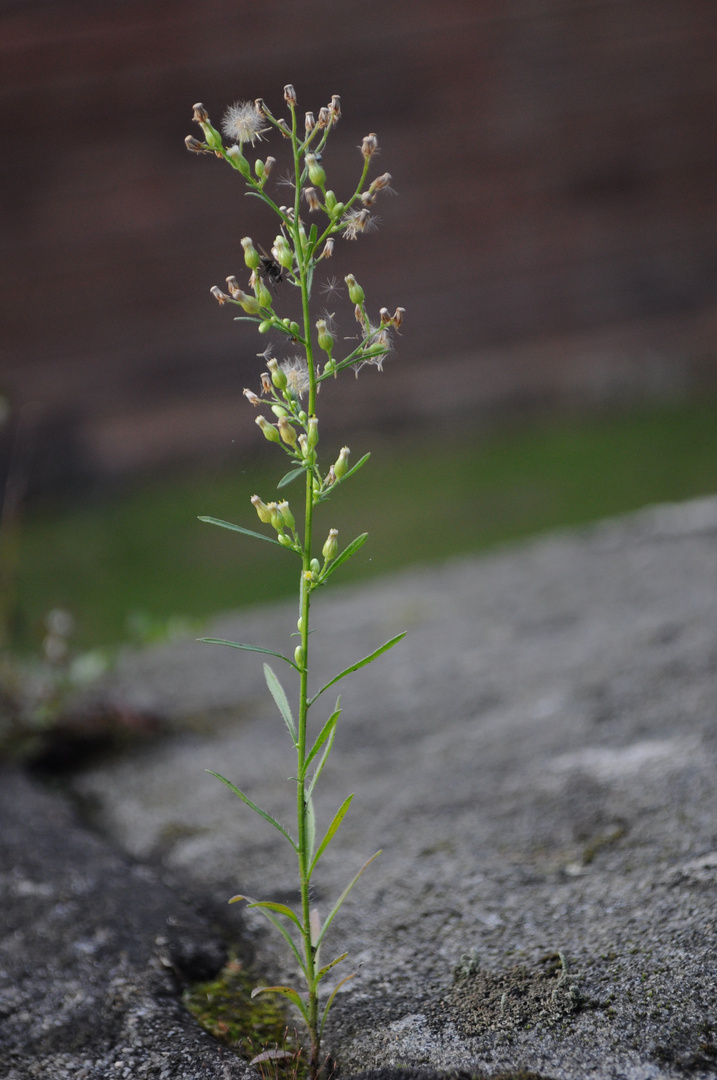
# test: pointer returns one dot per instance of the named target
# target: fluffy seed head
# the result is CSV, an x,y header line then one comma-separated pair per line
x,y
242,122
297,375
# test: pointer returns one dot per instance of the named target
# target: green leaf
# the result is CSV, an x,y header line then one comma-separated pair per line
x,y
277,925
361,663
330,1002
323,734
277,692
240,529
262,813
325,970
247,648
322,761
331,831
310,825
359,464
339,902
352,548
285,991
293,474
280,909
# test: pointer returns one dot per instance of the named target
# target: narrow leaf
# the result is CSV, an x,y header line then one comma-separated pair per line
x,y
352,548
344,894
287,992
278,925
282,704
330,1002
361,663
240,529
247,648
355,468
293,474
325,970
322,761
280,909
331,831
271,1055
323,734
262,813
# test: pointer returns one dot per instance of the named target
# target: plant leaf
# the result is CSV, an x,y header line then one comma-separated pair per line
x,y
280,909
352,548
293,474
324,970
277,925
323,734
262,813
286,991
271,1055
322,761
339,902
310,825
240,528
331,831
361,663
247,648
330,1002
282,704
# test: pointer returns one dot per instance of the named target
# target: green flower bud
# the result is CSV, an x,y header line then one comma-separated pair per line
x,y
268,430
286,431
315,566
295,328
300,624
312,434
287,515
265,326
356,293
238,161
283,253
261,508
284,540
330,367
331,548
317,174
275,516
338,210
342,463
249,303
259,168
326,341
262,294
299,657
330,200
279,410
278,377
251,255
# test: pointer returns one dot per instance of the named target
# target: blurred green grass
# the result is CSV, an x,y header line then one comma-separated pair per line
x,y
143,553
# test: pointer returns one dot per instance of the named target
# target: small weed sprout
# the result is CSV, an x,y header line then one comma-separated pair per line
x,y
286,399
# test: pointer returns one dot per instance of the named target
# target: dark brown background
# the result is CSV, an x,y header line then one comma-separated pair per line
x,y
555,238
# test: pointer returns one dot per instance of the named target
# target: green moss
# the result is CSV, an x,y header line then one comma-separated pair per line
x,y
225,1008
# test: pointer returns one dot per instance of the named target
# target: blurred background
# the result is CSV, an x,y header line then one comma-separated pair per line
x,y
554,242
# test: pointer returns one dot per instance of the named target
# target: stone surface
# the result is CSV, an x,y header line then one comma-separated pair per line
x,y
537,763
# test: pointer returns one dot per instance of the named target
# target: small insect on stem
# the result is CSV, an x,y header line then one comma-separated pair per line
x,y
270,269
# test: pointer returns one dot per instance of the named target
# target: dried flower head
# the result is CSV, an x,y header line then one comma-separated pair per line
x,y
297,374
242,122
358,221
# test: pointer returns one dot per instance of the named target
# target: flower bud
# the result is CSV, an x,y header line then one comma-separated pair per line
x,y
217,293
268,430
287,515
324,116
275,517
251,397
278,377
304,445
317,175
335,108
252,257
265,326
237,159
282,252
369,146
356,293
312,435
284,540
326,341
233,286
262,294
300,624
315,566
261,508
342,463
312,199
289,94
299,657
330,367
331,477
331,548
286,431
194,145
279,410
268,166
309,122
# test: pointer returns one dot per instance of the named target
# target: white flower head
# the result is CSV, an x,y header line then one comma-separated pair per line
x,y
297,374
356,222
242,122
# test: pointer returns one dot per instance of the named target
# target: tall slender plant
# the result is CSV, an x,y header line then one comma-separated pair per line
x,y
288,390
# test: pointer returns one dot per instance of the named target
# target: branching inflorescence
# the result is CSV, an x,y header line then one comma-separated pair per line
x,y
288,390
